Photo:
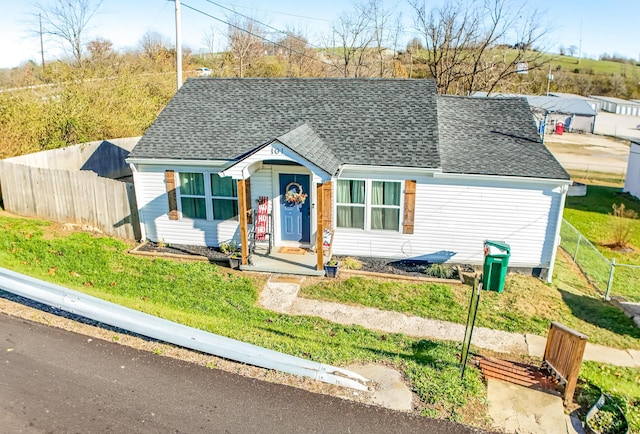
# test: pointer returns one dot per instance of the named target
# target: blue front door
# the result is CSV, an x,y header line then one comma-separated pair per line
x,y
295,208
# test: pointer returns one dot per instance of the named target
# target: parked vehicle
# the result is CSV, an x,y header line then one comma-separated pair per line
x,y
203,72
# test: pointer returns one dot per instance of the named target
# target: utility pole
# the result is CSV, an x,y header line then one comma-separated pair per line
x,y
178,47
549,78
580,44
41,42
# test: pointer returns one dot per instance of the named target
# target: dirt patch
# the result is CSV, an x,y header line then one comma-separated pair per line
x,y
589,152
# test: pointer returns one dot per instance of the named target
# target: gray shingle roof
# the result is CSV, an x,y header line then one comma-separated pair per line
x,y
493,136
362,121
306,143
331,122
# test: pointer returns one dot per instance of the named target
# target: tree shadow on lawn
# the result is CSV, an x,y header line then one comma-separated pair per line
x,y
423,351
599,200
600,314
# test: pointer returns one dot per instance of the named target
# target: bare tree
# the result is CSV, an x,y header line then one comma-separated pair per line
x,y
466,42
209,40
300,60
67,21
245,41
572,50
100,48
156,47
351,40
382,35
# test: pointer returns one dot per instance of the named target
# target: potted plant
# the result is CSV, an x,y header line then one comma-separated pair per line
x,y
235,259
232,250
331,268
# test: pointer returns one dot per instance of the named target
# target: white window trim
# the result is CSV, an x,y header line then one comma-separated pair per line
x,y
368,183
208,196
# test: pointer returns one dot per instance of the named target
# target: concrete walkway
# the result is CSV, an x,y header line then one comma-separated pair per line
x,y
280,294
512,408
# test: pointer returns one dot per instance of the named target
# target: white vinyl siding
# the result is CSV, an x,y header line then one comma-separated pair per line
x,y
452,220
153,206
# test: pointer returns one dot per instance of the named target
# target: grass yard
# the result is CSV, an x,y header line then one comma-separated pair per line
x,y
623,384
527,305
591,215
210,298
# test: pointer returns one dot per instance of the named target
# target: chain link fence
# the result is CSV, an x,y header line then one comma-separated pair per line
x,y
610,278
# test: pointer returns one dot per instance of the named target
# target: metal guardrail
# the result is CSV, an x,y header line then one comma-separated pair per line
x,y
157,328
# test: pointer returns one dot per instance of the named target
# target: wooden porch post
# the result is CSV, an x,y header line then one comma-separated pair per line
x,y
242,210
319,228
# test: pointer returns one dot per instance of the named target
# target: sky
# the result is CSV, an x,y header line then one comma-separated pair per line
x,y
596,26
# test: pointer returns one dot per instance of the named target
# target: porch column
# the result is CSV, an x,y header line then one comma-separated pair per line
x,y
242,211
320,226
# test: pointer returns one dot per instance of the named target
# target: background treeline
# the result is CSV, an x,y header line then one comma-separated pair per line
x,y
99,92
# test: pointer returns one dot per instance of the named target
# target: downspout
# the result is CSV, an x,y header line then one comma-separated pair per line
x,y
556,238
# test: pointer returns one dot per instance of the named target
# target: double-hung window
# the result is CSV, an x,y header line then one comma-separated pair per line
x,y
350,203
366,204
385,205
192,195
208,197
224,194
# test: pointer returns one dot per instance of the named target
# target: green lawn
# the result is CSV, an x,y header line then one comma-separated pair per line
x,y
211,298
527,305
591,215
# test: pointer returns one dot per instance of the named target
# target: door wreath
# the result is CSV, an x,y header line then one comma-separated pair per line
x,y
294,194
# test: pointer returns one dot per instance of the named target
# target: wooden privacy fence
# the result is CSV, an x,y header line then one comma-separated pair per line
x,y
71,196
563,356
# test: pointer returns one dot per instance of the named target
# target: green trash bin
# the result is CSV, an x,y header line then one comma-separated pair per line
x,y
496,261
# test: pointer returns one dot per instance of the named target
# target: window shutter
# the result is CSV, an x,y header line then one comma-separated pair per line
x,y
409,205
327,193
170,180
247,187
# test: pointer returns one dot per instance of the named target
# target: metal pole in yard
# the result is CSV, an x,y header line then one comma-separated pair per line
x,y
577,247
178,47
610,282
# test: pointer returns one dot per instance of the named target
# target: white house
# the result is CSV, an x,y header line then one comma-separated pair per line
x,y
632,181
394,169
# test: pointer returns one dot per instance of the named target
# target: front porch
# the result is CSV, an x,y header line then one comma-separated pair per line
x,y
284,199
284,260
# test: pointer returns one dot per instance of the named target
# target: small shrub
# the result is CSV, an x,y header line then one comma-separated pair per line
x,y
621,227
441,271
229,247
350,263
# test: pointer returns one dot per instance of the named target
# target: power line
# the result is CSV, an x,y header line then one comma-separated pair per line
x,y
264,24
255,35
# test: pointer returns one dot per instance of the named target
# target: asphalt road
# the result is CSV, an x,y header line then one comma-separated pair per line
x,y
56,381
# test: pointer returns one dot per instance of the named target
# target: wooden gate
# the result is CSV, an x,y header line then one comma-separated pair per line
x,y
563,356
